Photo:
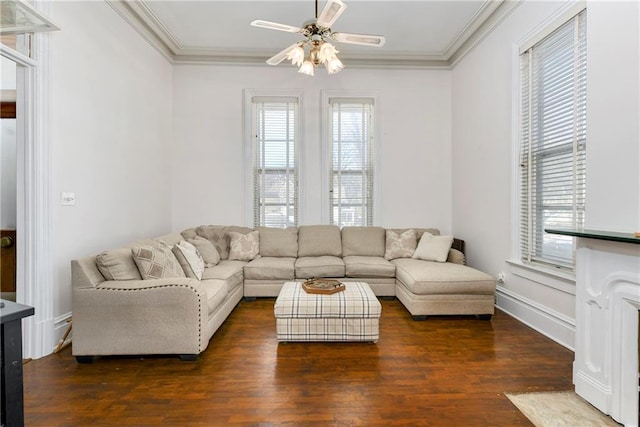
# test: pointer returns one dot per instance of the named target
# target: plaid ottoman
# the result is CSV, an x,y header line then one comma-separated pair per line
x,y
350,315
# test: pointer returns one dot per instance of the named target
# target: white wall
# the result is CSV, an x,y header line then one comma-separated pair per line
x,y
414,118
484,144
613,108
111,131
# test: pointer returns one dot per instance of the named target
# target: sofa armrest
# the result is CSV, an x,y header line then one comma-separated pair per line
x,y
456,257
162,316
458,244
132,285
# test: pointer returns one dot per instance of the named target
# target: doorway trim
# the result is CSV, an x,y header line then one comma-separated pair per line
x,y
34,208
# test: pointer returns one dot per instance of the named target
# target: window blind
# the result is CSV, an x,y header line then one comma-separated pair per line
x,y
275,170
351,175
553,143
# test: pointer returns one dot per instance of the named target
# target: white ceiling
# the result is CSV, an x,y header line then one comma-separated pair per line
x,y
417,32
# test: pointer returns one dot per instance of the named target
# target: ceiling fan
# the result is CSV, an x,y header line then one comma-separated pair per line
x,y
317,35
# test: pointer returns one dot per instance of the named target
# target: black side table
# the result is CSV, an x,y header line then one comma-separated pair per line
x,y
11,315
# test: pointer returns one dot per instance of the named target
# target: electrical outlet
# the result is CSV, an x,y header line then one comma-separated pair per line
x,y
500,277
68,199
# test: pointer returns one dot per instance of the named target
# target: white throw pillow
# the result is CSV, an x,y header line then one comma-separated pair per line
x,y
433,248
244,247
190,259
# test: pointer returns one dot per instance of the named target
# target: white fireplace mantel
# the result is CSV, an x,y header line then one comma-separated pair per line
x,y
605,371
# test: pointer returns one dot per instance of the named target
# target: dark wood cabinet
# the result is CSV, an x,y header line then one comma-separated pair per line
x,y
11,315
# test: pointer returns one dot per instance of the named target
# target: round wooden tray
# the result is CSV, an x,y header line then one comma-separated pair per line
x,y
323,286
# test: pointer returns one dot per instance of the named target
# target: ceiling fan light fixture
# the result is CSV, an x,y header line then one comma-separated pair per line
x,y
306,68
327,52
334,65
296,55
316,38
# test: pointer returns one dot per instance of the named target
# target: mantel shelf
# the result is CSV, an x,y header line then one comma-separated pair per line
x,y
612,236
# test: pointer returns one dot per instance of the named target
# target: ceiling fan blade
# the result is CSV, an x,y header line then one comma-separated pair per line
x,y
363,39
275,26
332,11
281,56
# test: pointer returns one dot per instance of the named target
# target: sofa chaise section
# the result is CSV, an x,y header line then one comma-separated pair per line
x,y
437,288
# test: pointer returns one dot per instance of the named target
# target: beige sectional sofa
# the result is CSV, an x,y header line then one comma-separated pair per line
x,y
117,312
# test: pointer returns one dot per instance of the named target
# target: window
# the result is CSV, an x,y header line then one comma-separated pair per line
x,y
275,170
553,143
351,157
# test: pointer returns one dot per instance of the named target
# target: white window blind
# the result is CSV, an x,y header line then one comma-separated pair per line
x,y
275,170
553,143
351,174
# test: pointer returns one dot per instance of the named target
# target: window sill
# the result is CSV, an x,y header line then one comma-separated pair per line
x,y
560,281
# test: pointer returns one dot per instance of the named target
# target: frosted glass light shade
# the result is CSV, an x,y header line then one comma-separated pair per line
x,y
306,68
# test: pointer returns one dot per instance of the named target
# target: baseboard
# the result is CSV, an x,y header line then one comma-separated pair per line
x,y
60,326
548,322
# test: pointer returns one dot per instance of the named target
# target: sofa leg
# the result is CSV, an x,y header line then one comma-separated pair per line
x,y
84,359
188,357
249,299
484,316
419,317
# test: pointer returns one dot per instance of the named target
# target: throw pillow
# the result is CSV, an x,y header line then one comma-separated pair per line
x,y
156,262
244,247
190,259
117,264
433,248
401,245
208,251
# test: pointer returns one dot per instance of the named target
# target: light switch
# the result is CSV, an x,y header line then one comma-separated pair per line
x,y
68,199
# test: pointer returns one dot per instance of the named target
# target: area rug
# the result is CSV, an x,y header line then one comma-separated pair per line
x,y
559,409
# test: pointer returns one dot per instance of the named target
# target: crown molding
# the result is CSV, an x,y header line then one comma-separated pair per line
x,y
132,15
489,23
476,22
140,16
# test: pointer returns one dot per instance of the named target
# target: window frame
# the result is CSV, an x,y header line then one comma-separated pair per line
x,y
249,147
564,274
326,137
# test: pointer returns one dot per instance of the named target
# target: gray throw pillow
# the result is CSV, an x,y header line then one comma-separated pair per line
x,y
208,251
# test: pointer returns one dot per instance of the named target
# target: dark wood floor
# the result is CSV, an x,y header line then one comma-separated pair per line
x,y
445,371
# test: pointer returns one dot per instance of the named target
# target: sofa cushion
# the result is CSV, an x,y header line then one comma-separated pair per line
x,y
118,264
156,262
368,266
219,236
364,241
244,247
278,241
319,240
401,245
229,271
209,252
270,268
320,266
190,259
441,278
216,292
433,248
